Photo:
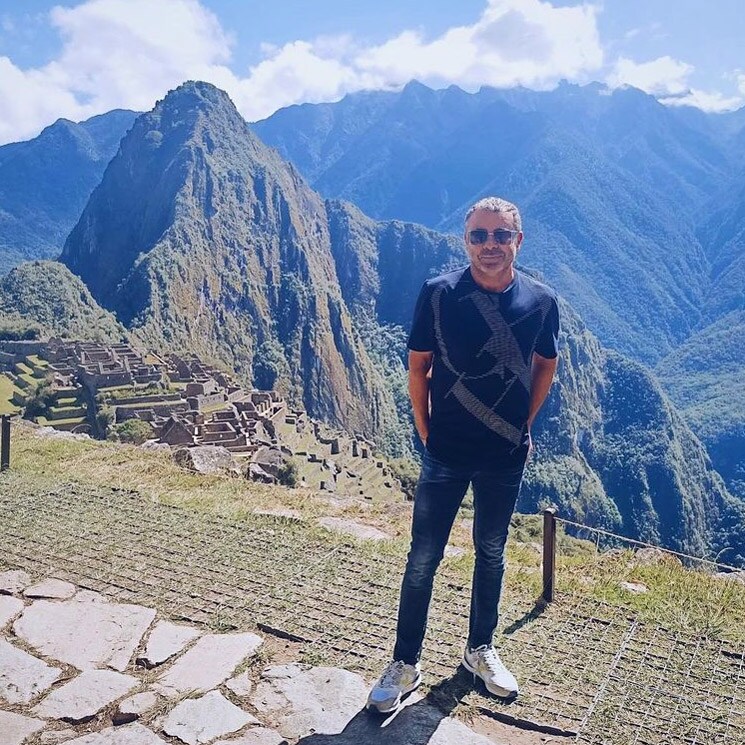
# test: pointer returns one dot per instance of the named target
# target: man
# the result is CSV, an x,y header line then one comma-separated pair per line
x,y
483,350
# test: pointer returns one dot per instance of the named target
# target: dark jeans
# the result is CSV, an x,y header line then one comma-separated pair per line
x,y
439,493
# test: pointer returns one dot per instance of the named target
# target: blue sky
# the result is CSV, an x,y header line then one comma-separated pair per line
x,y
80,58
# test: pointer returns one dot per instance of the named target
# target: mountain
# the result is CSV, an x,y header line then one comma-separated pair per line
x,y
201,237
45,183
706,374
609,183
47,296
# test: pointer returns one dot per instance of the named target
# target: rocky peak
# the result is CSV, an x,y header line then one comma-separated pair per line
x,y
201,237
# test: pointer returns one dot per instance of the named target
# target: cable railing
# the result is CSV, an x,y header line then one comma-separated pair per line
x,y
550,523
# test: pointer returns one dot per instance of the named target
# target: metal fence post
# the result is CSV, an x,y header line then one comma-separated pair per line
x,y
5,443
549,553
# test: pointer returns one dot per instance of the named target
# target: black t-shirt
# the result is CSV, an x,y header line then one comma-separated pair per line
x,y
483,344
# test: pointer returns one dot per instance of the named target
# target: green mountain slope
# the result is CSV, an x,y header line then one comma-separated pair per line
x,y
45,183
609,184
706,379
48,296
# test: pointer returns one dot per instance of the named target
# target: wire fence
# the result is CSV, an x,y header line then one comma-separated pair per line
x,y
588,668
614,539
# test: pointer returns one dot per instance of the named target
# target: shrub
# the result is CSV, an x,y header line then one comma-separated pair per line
x,y
134,431
407,472
287,475
41,401
104,419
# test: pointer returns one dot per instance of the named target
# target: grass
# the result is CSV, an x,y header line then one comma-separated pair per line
x,y
45,422
6,394
680,599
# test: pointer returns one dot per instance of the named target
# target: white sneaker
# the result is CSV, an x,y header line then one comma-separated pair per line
x,y
397,680
484,662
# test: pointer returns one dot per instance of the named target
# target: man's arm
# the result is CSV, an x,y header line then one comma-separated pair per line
x,y
419,366
542,373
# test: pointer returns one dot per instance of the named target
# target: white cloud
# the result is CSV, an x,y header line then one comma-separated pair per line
x,y
128,53
115,53
711,101
515,42
668,79
663,76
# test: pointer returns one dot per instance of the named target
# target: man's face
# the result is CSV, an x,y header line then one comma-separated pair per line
x,y
491,258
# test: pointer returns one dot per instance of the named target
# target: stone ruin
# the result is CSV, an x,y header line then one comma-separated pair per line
x,y
189,403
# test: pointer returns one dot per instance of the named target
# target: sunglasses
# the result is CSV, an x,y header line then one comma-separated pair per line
x,y
501,235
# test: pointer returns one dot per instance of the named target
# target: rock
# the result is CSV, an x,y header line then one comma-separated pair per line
x,y
51,588
60,434
9,609
637,588
453,732
130,734
196,721
55,736
281,512
256,736
156,447
85,634
207,459
241,685
118,718
139,703
256,473
15,728
738,576
270,459
350,527
453,552
302,701
83,697
22,676
649,555
166,640
13,581
208,663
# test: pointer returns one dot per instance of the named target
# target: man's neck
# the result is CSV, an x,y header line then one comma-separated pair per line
x,y
495,283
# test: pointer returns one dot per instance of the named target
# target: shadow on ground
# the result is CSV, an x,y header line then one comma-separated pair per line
x,y
413,724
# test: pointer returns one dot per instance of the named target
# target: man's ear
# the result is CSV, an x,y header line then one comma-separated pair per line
x,y
519,240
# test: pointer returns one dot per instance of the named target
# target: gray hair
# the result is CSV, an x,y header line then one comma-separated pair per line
x,y
497,204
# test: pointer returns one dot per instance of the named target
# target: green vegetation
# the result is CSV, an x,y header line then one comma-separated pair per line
x,y
47,298
132,431
287,474
19,329
7,389
41,401
407,472
386,345
104,420
706,379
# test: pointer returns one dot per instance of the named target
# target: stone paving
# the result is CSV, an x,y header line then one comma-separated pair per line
x,y
79,668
